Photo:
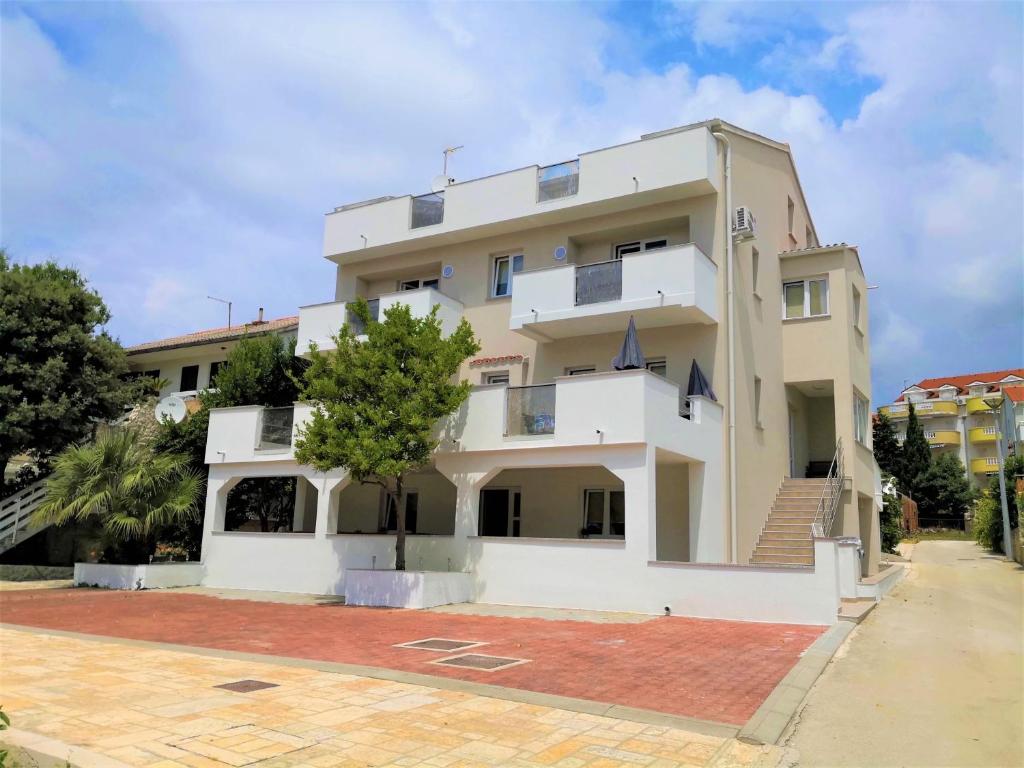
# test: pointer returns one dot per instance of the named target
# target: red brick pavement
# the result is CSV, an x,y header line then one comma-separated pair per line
x,y
713,670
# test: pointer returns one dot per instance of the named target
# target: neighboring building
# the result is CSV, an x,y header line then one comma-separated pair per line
x,y
187,363
563,482
956,419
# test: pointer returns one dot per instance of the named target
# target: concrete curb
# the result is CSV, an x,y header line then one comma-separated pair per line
x,y
769,722
520,696
46,752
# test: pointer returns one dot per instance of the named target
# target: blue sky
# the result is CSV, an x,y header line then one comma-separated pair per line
x,y
176,150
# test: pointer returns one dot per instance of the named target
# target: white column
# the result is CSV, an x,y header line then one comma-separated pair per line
x,y
217,486
328,490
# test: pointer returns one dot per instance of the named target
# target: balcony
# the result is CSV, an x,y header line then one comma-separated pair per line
x,y
252,433
928,408
667,286
977,405
610,408
982,435
320,323
942,437
988,466
661,168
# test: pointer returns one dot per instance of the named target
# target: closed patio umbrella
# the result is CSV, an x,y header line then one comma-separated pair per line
x,y
630,356
698,384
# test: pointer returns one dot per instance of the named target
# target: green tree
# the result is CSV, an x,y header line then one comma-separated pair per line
x,y
259,370
1013,466
943,492
890,522
133,492
885,445
59,374
916,456
377,402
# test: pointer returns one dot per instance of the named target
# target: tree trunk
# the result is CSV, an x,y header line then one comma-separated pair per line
x,y
399,526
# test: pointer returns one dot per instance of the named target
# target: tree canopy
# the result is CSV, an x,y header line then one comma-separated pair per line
x,y
59,373
378,401
916,455
885,445
943,491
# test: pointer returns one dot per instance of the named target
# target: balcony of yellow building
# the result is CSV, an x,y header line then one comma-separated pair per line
x,y
986,465
982,435
942,437
929,408
977,405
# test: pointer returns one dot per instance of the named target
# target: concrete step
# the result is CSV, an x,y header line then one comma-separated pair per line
x,y
793,548
768,537
809,513
809,502
782,559
798,493
789,528
856,608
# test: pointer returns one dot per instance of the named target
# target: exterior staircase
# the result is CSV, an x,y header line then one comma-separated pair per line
x,y
786,537
16,513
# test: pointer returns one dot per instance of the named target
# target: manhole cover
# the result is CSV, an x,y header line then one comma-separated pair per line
x,y
480,661
246,686
440,644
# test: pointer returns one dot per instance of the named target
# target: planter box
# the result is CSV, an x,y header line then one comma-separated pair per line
x,y
150,576
406,589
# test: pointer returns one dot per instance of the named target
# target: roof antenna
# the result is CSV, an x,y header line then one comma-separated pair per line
x,y
449,151
223,301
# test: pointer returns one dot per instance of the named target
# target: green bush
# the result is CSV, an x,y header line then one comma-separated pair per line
x,y
890,522
988,523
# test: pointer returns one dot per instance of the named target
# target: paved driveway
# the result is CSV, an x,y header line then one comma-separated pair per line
x,y
933,677
710,670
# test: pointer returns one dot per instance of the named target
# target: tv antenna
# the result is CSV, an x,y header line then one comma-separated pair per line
x,y
223,301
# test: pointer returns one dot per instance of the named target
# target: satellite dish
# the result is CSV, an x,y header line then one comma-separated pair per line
x,y
439,183
447,271
560,253
171,407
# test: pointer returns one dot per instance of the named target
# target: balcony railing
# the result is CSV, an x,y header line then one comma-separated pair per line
x,y
556,181
427,210
983,434
357,326
988,464
929,408
599,282
276,429
530,410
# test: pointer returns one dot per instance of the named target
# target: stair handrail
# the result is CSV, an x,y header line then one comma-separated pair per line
x,y
16,509
828,504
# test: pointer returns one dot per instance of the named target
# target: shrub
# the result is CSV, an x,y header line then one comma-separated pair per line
x,y
890,523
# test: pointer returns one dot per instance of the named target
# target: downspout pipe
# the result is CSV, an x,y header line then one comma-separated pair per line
x,y
730,301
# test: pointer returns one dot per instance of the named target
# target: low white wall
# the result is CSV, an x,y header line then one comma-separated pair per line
x,y
406,589
150,576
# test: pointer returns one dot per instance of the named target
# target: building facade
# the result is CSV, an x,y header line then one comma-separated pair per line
x,y
957,419
562,481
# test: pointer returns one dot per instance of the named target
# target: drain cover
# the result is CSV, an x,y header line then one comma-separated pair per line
x,y
440,644
480,661
246,686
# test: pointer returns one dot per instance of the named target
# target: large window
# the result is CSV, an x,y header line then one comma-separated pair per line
x,y
604,512
412,285
500,512
189,378
389,511
860,419
504,268
638,246
805,298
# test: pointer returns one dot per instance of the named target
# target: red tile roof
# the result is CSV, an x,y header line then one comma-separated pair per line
x,y
1015,393
217,334
962,381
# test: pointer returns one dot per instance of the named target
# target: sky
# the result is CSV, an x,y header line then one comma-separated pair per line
x,y
172,151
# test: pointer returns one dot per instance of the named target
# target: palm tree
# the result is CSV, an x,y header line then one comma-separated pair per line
x,y
118,481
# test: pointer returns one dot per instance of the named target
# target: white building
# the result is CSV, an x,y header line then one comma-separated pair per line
x,y
562,482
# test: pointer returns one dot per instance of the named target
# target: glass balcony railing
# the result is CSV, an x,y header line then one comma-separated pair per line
x,y
556,181
427,210
276,429
530,410
357,325
599,282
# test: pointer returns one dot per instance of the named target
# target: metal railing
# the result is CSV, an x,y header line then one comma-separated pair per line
x,y
555,181
17,508
275,429
427,210
530,410
599,282
358,326
828,504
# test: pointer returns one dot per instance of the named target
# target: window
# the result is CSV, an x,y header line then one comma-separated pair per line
x,y
656,365
189,378
755,259
757,401
805,298
604,512
154,374
500,512
790,214
497,377
856,308
412,285
808,237
860,419
389,513
580,370
637,246
215,368
504,268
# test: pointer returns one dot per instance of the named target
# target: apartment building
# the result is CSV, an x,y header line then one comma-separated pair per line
x,y
957,419
187,364
563,481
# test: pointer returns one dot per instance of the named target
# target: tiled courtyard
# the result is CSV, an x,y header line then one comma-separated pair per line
x,y
711,670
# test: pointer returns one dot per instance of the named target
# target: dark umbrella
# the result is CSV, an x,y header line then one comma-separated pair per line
x,y
698,384
630,356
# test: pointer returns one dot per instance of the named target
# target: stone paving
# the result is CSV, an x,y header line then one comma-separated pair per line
x,y
161,709
711,670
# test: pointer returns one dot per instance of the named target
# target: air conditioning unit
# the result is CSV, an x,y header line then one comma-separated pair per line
x,y
743,225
